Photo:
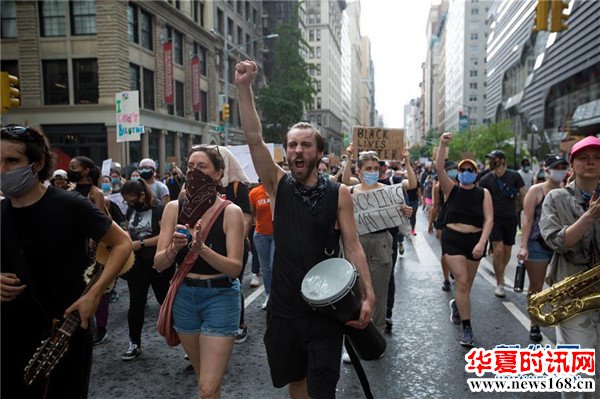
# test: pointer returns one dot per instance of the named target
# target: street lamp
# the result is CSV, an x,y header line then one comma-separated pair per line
x,y
226,51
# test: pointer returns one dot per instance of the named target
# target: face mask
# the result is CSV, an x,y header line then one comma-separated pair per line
x,y
467,177
74,176
526,169
106,188
17,182
370,179
115,181
139,206
201,193
325,175
146,173
135,178
453,174
557,175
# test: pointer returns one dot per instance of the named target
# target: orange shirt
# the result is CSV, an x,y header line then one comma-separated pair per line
x,y
259,199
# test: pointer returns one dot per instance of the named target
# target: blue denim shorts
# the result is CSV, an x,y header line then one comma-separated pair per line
x,y
207,311
537,253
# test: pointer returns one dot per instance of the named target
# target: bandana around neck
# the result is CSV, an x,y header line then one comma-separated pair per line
x,y
201,194
310,195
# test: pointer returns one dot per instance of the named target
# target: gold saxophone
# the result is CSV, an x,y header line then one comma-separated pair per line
x,y
573,295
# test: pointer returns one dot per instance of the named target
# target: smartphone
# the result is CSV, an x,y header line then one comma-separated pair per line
x,y
182,230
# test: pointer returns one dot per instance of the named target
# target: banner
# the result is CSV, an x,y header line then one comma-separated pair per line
x,y
379,209
168,64
128,116
196,104
388,143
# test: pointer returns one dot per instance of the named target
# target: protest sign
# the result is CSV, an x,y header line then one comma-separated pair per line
x,y
106,167
387,143
128,116
379,209
242,154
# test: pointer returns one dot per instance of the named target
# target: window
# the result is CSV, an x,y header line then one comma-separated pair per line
x,y
239,8
10,66
472,85
148,89
201,53
146,25
318,103
318,119
473,73
472,97
474,11
220,24
318,86
204,102
311,35
248,13
230,31
52,18
132,23
311,71
240,35
318,66
318,34
311,17
474,61
318,17
178,4
134,77
83,17
254,16
318,52
198,9
177,39
9,19
474,36
85,81
179,99
56,82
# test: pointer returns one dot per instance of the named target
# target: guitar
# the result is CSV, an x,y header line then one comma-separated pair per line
x,y
52,350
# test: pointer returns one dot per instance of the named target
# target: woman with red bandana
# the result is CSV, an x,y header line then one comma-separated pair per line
x,y
206,309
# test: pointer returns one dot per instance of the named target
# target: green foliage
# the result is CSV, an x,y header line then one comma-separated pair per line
x,y
481,140
290,90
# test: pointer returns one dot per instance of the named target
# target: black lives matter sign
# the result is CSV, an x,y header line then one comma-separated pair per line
x,y
388,143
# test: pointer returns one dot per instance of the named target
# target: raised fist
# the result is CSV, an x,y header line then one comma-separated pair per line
x,y
245,72
446,137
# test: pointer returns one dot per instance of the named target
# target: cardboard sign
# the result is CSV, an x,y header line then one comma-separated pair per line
x,y
242,154
334,160
278,153
379,209
106,167
128,116
388,143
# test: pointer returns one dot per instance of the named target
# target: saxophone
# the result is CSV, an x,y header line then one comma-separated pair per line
x,y
573,295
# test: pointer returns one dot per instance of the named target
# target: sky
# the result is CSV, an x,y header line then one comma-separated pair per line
x,y
396,29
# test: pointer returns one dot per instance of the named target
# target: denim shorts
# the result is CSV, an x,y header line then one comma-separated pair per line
x,y
207,311
537,253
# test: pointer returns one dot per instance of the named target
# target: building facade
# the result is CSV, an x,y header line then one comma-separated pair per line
x,y
73,57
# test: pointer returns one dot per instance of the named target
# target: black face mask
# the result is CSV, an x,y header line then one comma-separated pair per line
x,y
146,174
74,176
139,206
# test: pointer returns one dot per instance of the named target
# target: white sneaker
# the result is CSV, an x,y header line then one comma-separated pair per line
x,y
346,357
500,293
264,305
255,282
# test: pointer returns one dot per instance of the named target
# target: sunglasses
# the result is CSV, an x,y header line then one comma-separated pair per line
x,y
206,147
367,154
17,132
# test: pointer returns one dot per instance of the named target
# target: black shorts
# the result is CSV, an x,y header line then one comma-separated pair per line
x,y
305,347
457,243
505,230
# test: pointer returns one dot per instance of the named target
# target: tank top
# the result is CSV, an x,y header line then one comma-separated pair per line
x,y
215,240
300,241
535,224
465,206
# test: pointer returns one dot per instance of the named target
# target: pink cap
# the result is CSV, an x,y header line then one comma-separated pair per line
x,y
588,142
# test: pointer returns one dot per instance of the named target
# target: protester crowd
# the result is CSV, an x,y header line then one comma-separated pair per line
x,y
207,218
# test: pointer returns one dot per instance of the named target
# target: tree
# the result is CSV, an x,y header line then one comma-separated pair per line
x,y
290,90
481,140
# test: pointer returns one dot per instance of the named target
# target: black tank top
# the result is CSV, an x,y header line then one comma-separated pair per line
x,y
465,206
300,241
215,240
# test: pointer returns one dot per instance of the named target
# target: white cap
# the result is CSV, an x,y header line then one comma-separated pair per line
x,y
59,173
147,163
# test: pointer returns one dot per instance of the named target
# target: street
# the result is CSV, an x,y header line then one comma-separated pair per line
x,y
423,360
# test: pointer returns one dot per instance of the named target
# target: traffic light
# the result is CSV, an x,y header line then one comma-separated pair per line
x,y
10,94
225,111
557,24
541,15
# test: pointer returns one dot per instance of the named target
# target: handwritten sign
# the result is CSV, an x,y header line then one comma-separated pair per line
x,y
106,167
379,209
128,116
388,143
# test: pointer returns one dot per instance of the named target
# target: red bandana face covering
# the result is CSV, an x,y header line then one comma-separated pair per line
x,y
201,193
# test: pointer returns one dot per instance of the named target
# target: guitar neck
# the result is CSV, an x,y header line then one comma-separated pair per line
x,y
73,320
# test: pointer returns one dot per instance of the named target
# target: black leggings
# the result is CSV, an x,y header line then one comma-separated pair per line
x,y
139,279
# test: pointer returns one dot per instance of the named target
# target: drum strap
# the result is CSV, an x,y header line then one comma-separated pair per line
x,y
362,376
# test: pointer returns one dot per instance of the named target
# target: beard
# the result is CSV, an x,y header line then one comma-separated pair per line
x,y
304,172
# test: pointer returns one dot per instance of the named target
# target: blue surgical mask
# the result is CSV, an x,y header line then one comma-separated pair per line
x,y
453,174
370,178
115,181
467,177
106,188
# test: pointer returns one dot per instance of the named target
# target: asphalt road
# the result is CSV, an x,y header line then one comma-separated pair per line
x,y
424,358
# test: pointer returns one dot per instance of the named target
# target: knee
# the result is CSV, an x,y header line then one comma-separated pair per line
x,y
462,286
208,391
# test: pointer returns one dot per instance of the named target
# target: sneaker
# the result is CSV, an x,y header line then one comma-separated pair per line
x,y
242,335
255,282
412,232
500,293
388,325
467,337
99,336
446,286
132,352
113,296
346,357
401,248
264,305
535,334
454,316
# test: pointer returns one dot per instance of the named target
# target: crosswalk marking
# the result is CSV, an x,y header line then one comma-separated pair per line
x,y
253,296
424,252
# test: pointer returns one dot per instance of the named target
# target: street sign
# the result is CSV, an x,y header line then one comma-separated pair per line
x,y
219,128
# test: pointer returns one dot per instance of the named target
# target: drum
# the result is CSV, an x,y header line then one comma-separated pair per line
x,y
332,287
